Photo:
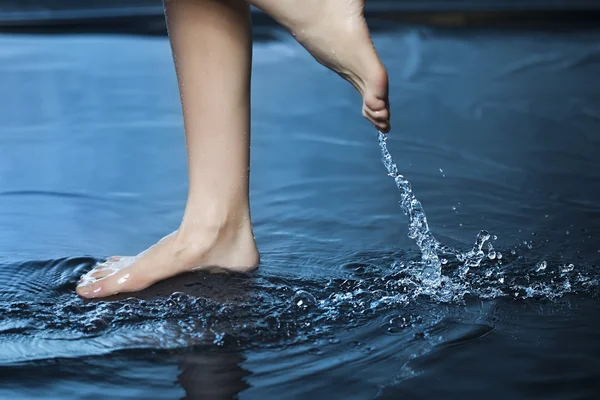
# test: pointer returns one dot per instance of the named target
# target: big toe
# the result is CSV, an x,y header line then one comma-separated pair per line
x,y
376,101
105,278
89,290
377,112
120,282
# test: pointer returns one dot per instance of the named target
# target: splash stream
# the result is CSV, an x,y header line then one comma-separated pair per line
x,y
418,230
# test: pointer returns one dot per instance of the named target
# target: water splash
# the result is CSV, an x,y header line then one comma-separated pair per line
x,y
418,229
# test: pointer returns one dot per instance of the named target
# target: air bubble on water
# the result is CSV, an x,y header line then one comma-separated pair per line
x,y
513,252
304,300
443,261
567,232
499,256
541,266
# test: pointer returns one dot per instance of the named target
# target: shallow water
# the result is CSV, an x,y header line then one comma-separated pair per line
x,y
495,130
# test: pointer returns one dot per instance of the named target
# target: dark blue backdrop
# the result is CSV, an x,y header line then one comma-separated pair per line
x,y
27,11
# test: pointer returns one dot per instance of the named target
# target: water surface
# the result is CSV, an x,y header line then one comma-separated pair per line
x,y
495,130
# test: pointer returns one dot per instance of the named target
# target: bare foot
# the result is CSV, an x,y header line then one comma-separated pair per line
x,y
179,252
337,36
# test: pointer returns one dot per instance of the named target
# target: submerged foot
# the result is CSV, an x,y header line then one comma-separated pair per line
x,y
211,250
336,34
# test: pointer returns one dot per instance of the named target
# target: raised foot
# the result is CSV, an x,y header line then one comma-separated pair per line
x,y
336,34
174,254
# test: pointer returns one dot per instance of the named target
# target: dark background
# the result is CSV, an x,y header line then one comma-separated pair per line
x,y
28,12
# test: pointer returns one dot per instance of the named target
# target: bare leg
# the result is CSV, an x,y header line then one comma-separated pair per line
x,y
211,43
336,34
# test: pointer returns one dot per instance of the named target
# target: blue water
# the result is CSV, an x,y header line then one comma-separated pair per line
x,y
496,130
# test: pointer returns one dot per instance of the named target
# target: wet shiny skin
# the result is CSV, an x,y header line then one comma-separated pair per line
x,y
94,165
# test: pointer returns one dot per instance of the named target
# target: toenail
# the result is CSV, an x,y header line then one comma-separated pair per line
x,y
83,290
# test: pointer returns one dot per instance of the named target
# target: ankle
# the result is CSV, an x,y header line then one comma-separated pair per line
x,y
228,244
215,228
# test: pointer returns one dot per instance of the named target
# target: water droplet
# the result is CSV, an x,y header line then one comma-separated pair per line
x,y
397,324
123,279
491,252
541,266
568,268
499,256
567,232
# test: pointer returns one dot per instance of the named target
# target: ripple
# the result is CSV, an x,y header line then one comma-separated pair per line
x,y
43,318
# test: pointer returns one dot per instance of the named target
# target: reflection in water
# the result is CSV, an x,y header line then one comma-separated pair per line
x,y
212,374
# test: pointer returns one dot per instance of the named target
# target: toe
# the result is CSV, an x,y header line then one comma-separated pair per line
x,y
375,104
379,118
376,100
97,282
104,283
101,271
89,290
106,286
